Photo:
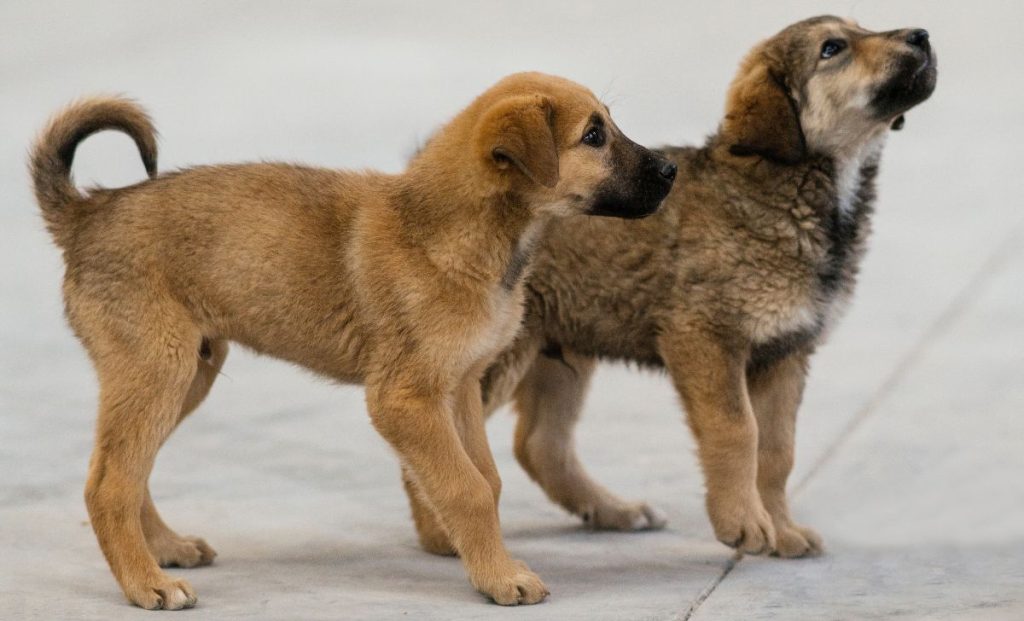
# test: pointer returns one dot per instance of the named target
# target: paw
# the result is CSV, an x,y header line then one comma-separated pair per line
x,y
161,592
743,523
624,516
437,542
511,584
792,541
174,551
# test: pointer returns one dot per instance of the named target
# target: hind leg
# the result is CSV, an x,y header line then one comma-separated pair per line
x,y
168,547
144,376
549,400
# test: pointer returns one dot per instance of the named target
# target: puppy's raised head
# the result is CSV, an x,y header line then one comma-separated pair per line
x,y
826,86
554,146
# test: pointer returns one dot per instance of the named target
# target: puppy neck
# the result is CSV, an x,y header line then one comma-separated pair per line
x,y
848,170
469,231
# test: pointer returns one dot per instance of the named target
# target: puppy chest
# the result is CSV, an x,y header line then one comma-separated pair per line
x,y
805,290
791,319
497,329
768,317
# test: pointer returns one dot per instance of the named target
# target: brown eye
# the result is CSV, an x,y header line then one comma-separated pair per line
x,y
832,47
594,137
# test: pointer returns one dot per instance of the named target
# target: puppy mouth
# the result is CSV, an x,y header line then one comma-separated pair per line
x,y
617,211
913,82
644,201
925,64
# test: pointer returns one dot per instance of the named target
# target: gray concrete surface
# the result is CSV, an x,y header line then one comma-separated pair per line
x,y
910,440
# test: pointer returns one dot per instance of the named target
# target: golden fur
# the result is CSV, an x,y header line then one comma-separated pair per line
x,y
729,288
408,283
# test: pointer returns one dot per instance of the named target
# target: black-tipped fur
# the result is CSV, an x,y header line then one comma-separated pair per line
x,y
54,151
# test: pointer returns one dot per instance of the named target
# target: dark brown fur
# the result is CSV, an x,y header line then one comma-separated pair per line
x,y
729,288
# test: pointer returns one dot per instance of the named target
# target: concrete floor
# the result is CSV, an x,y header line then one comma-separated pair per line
x,y
911,436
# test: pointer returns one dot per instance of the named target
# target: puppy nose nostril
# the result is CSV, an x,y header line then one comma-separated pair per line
x,y
918,37
668,170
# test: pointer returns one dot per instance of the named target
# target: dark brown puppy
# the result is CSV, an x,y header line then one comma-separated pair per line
x,y
409,283
731,287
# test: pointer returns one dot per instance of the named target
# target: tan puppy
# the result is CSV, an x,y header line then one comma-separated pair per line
x,y
730,287
408,283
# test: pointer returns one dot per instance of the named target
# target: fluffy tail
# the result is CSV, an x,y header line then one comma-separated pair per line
x,y
54,152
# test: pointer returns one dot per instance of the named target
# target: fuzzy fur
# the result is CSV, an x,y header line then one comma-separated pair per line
x,y
729,288
409,284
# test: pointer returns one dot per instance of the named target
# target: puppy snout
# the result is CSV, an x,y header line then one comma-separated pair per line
x,y
668,170
918,37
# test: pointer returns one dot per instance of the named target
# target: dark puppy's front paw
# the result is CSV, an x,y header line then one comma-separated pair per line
x,y
185,552
793,541
742,523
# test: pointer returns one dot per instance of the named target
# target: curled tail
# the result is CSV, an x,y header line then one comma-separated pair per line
x,y
54,151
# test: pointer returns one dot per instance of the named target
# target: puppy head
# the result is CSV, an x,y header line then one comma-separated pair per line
x,y
553,144
826,86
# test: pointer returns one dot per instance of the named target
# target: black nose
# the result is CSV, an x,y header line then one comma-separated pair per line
x,y
668,170
918,37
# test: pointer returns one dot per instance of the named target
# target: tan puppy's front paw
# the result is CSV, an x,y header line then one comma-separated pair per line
x,y
742,523
161,592
174,551
512,584
624,516
793,541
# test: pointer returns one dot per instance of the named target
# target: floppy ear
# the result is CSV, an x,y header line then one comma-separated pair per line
x,y
518,131
760,117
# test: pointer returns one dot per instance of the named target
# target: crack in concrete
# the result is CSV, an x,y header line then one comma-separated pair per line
x,y
956,309
706,593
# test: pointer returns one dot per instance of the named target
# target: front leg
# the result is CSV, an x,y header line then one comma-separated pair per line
x,y
434,538
710,376
442,449
775,394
